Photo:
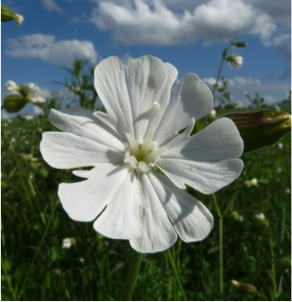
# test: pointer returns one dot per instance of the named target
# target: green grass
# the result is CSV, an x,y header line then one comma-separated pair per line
x,y
35,267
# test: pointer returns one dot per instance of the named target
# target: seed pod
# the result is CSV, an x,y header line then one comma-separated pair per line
x,y
13,103
262,128
248,288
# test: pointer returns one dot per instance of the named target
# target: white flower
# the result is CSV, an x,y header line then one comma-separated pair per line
x,y
280,145
35,94
126,147
213,113
288,191
66,243
260,216
10,86
235,61
19,19
251,183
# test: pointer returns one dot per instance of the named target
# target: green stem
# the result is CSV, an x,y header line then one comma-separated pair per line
x,y
221,253
132,276
217,80
220,243
273,269
177,275
3,265
37,251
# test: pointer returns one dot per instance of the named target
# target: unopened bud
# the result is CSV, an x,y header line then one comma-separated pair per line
x,y
249,288
285,262
7,15
237,217
262,128
13,103
240,44
24,90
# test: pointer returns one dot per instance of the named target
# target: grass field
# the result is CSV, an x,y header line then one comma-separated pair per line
x,y
36,267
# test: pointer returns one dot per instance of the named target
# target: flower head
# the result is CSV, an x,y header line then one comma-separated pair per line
x,y
235,61
251,183
10,86
140,136
35,95
18,19
213,113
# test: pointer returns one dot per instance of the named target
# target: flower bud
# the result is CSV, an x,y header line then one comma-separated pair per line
x,y
24,90
249,288
251,183
239,44
13,103
262,128
7,15
237,217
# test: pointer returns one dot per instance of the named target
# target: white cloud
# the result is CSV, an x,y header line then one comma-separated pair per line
x,y
51,6
274,92
45,47
170,22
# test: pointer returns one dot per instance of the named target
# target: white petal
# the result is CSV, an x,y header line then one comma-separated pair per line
x,y
120,219
207,178
158,233
84,201
65,151
190,218
192,99
83,123
219,141
110,84
150,81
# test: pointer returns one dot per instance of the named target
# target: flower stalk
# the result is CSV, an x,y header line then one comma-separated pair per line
x,y
132,276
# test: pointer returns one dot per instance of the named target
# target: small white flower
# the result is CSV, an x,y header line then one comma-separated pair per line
x,y
19,19
251,183
260,216
81,260
213,113
280,145
10,86
235,61
35,94
288,191
139,135
66,243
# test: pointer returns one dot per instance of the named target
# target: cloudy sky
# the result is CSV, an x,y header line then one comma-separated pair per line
x,y
190,34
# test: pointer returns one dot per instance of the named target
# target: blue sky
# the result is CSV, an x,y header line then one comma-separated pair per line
x,y
188,34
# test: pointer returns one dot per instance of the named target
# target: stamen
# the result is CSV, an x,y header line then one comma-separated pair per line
x,y
151,127
131,160
142,166
155,154
133,144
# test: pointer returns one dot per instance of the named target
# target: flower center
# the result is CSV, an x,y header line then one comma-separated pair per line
x,y
142,156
